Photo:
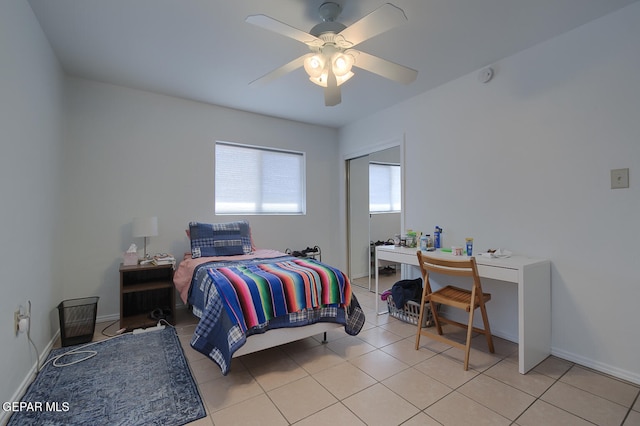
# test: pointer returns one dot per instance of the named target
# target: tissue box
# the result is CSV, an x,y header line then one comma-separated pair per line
x,y
130,259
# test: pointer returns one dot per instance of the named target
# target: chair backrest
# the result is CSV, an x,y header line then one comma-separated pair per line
x,y
463,267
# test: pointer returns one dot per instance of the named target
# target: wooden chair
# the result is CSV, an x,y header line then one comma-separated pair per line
x,y
469,300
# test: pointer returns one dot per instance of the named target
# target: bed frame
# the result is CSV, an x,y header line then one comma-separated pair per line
x,y
280,336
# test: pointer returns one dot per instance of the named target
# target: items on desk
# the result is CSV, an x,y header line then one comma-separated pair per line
x,y
496,254
411,238
426,243
456,250
423,242
469,246
437,237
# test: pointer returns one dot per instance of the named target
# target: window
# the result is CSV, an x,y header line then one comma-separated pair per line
x,y
384,187
257,180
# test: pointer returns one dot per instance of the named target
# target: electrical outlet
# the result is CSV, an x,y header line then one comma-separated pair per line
x,y
18,316
619,178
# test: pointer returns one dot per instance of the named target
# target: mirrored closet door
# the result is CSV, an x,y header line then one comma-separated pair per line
x,y
374,188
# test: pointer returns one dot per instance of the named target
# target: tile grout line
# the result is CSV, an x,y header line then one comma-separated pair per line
x,y
483,372
631,407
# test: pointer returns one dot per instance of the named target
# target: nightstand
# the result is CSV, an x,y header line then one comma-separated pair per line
x,y
143,289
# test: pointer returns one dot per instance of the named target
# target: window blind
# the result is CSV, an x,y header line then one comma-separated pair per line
x,y
384,187
257,180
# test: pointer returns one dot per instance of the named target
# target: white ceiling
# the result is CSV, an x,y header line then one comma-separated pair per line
x,y
205,51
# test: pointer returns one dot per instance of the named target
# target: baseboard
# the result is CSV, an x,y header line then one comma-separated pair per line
x,y
360,275
105,318
598,366
22,389
116,317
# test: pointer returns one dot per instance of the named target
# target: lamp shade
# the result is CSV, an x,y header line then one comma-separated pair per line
x,y
314,65
145,226
342,63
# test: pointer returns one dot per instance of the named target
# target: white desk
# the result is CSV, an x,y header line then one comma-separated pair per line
x,y
533,277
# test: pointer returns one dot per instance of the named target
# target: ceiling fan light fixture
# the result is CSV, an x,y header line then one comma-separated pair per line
x,y
341,79
342,64
322,79
331,43
314,65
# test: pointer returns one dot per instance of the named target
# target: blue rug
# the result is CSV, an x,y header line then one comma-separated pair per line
x,y
141,379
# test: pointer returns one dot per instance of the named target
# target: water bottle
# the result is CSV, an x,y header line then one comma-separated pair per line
x,y
437,242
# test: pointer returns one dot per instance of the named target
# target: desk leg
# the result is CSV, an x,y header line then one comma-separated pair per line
x,y
534,316
377,295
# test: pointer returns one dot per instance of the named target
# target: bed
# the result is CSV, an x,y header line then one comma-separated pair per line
x,y
250,299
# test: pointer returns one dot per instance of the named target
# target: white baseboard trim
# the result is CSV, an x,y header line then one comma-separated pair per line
x,y
598,366
22,389
105,318
358,276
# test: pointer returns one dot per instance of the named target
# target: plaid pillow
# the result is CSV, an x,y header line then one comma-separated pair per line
x,y
220,239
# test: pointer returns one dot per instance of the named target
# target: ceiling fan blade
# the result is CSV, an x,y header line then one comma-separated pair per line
x,y
332,95
384,68
380,20
279,72
281,28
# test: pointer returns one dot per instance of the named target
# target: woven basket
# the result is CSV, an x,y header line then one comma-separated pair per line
x,y
410,313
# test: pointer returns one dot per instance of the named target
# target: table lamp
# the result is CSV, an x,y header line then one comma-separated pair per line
x,y
145,227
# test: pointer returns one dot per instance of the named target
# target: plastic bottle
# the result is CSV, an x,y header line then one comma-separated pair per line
x,y
469,246
424,242
437,241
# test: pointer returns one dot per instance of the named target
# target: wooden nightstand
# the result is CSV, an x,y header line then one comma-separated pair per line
x,y
144,288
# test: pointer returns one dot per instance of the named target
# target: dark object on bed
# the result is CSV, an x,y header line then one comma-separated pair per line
x,y
312,252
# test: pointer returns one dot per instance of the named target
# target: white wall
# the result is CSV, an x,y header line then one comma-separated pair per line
x,y
523,163
31,106
132,153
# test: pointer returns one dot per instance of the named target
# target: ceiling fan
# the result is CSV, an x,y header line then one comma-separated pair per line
x,y
330,62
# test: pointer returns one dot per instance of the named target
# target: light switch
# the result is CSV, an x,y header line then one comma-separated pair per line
x,y
619,178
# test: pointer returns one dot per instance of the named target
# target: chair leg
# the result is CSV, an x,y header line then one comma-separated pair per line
x,y
419,326
434,315
487,329
467,348
423,301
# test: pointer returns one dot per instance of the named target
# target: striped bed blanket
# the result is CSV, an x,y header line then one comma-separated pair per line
x,y
236,300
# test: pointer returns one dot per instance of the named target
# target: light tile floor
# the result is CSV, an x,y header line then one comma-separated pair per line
x,y
378,378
